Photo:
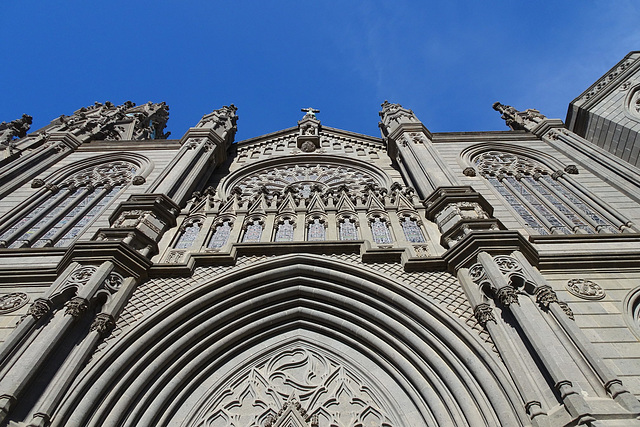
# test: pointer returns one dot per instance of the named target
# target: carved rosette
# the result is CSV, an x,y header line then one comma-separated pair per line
x,y
103,324
12,302
113,282
507,264
585,289
483,314
76,307
39,308
546,296
507,296
81,275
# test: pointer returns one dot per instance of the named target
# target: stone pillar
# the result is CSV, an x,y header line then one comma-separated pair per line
x,y
204,147
410,141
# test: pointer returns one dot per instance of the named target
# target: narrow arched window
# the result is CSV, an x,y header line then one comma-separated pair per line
x,y
60,212
411,230
220,235
348,229
548,202
190,230
380,231
284,231
253,231
316,230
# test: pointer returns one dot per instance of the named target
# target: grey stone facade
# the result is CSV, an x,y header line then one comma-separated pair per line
x,y
314,276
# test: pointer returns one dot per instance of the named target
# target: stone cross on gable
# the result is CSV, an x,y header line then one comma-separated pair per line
x,y
311,112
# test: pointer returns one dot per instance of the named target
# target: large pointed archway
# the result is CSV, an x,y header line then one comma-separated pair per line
x,y
305,328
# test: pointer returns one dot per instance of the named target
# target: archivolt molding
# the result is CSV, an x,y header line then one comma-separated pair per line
x,y
631,310
441,367
143,165
368,172
632,102
468,155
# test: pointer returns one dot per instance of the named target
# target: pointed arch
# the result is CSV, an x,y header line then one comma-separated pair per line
x,y
70,199
541,191
437,366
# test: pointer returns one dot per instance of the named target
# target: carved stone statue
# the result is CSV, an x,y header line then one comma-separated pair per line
x,y
519,120
15,129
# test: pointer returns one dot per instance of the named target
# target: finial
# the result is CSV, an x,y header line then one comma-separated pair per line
x,y
311,112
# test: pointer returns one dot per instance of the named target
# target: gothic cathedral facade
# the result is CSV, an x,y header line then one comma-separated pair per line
x,y
319,277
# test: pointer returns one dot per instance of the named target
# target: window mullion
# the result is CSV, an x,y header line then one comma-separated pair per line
x,y
525,202
36,219
600,228
598,205
574,227
19,212
56,218
65,228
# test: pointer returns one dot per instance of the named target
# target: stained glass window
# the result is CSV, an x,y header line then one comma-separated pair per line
x,y
88,217
412,230
58,217
545,204
348,230
253,232
284,233
221,235
188,236
380,231
316,231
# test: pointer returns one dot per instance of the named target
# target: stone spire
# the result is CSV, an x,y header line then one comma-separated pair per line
x,y
519,120
15,129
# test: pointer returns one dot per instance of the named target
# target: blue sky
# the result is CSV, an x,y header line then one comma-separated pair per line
x,y
448,61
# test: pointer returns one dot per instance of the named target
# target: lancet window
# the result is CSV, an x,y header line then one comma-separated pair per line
x,y
348,230
60,212
548,202
411,230
316,230
253,231
220,235
190,230
284,231
380,231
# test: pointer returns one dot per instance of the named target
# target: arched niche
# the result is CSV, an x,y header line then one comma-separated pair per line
x,y
425,367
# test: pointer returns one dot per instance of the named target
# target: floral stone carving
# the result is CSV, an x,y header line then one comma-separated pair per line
x,y
321,390
585,289
12,302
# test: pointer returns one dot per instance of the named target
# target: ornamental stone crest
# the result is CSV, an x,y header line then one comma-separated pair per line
x,y
585,289
298,386
304,179
12,302
111,174
81,276
494,163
